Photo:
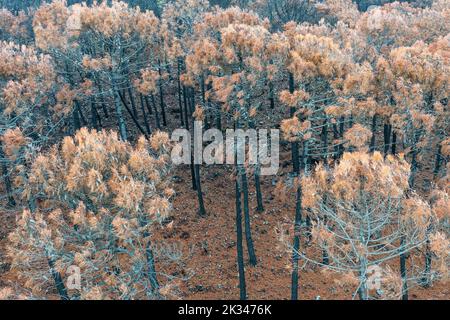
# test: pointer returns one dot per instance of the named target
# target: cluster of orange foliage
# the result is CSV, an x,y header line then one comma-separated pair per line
x,y
96,199
341,79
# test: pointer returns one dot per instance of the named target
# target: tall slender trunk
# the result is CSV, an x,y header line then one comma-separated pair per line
x,y
180,99
394,142
259,197
144,113
119,114
152,275
296,246
437,165
6,179
59,284
403,272
248,230
158,123
325,139
412,175
161,98
148,105
76,120
341,135
387,138
132,101
94,116
130,112
294,145
374,128
186,111
363,290
239,246
426,277
271,95
201,204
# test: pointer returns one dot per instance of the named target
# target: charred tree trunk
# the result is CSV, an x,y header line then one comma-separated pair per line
x,y
294,145
403,273
239,246
144,113
6,179
59,284
248,230
201,205
296,246
119,114
437,165
374,128
180,94
158,123
387,138
161,98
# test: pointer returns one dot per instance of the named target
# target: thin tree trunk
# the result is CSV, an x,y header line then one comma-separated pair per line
x,y
248,230
94,118
161,98
133,103
437,165
201,204
120,118
6,179
152,275
403,273
180,100
186,112
158,124
294,145
296,246
387,138
374,128
130,112
394,142
239,246
144,113
271,95
259,197
59,284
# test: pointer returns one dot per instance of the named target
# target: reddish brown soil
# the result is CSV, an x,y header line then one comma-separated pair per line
x,y
208,243
213,260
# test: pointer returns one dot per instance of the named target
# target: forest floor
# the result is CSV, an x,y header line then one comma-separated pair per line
x,y
209,246
207,268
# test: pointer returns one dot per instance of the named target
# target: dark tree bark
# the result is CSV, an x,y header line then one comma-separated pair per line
x,y
158,123
248,230
294,145
387,138
374,128
59,284
144,114
6,179
201,205
239,247
296,246
403,273
161,98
